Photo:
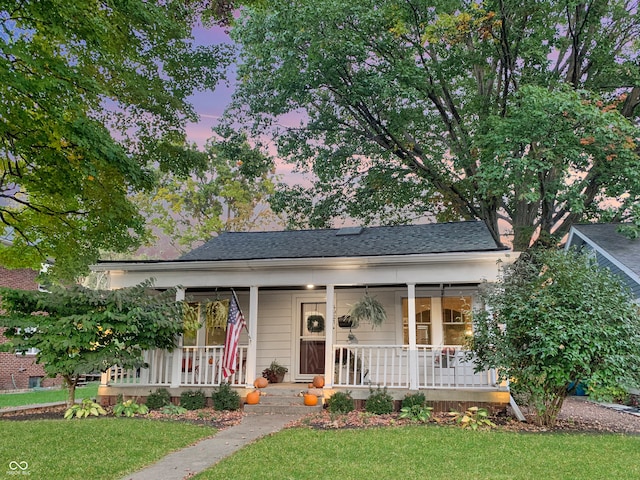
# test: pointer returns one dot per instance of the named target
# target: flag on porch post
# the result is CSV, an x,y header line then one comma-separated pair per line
x,y
235,324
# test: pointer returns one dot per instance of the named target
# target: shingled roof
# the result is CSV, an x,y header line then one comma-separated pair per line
x,y
347,242
607,237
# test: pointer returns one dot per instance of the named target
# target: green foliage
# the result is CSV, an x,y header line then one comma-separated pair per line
x,y
519,111
79,331
473,418
412,399
172,409
112,87
193,399
130,408
416,413
225,398
85,409
553,319
273,371
227,192
340,402
158,399
368,309
379,401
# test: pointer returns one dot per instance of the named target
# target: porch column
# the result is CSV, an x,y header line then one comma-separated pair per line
x,y
252,350
413,350
328,331
176,364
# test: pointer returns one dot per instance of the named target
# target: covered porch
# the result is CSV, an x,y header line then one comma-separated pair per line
x,y
295,289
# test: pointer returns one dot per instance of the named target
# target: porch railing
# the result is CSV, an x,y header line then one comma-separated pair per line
x,y
389,365
199,366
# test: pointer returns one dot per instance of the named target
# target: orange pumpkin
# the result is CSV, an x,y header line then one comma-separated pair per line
x,y
310,400
318,381
260,382
210,360
253,398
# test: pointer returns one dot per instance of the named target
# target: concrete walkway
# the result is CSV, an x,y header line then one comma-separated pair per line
x,y
208,452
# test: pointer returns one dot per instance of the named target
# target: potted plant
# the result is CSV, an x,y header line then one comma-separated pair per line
x,y
368,309
275,372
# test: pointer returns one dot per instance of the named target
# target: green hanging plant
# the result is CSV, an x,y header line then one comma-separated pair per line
x,y
367,310
216,314
191,317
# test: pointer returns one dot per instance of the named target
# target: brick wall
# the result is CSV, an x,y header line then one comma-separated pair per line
x,y
15,370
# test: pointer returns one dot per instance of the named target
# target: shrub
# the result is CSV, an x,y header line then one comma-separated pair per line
x,y
172,409
416,413
379,402
158,399
129,409
414,399
473,418
341,402
83,410
225,398
192,399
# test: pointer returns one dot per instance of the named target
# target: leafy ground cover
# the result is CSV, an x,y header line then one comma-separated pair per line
x,y
433,452
96,448
45,396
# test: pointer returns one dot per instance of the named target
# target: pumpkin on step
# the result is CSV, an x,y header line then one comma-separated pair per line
x,y
318,381
260,382
253,398
310,400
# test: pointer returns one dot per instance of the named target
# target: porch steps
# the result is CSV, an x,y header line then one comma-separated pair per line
x,y
283,399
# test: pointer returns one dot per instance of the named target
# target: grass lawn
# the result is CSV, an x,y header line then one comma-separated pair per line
x,y
94,448
433,453
46,396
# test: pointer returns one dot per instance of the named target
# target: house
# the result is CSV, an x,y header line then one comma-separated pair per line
x,y
18,371
612,250
296,289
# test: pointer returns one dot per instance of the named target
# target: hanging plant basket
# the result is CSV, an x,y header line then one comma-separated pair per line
x,y
368,310
345,321
216,314
190,318
315,323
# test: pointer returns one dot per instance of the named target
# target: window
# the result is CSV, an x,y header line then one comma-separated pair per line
x,y
456,319
423,321
35,382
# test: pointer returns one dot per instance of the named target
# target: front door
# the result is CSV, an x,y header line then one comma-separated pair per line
x,y
313,317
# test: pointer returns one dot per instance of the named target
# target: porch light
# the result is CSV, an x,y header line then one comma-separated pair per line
x,y
310,286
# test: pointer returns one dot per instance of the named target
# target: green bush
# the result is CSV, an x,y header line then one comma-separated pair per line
x,y
416,413
172,409
379,402
414,399
158,399
225,398
130,408
193,399
341,402
84,409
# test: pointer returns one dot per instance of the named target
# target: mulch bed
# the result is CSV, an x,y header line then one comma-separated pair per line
x,y
206,416
577,416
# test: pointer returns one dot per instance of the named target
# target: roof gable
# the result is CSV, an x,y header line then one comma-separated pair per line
x,y
368,241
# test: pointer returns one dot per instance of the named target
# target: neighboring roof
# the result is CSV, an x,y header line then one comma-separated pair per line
x,y
347,242
617,252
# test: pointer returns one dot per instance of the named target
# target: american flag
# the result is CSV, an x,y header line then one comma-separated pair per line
x,y
235,324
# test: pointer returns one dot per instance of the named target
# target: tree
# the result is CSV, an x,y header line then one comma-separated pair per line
x,y
557,319
92,94
505,111
229,191
78,331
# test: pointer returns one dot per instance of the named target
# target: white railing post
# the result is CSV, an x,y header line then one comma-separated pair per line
x,y
413,351
329,354
252,350
176,367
